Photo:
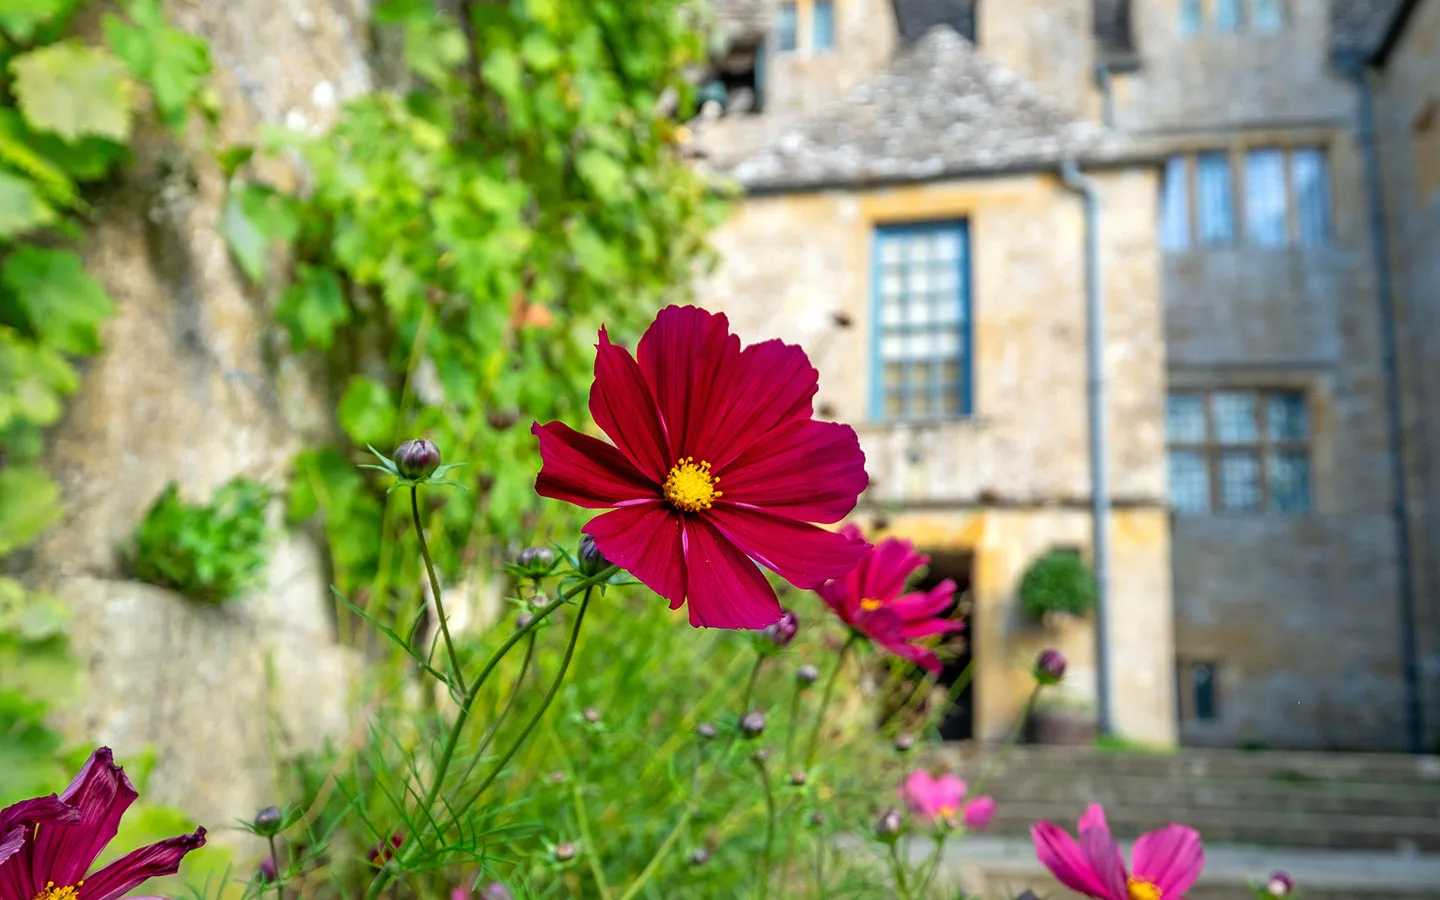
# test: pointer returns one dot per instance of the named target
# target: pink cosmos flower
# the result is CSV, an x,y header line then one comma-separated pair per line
x,y
939,800
57,847
871,599
1166,862
716,465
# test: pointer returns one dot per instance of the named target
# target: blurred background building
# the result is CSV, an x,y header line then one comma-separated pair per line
x,y
1265,245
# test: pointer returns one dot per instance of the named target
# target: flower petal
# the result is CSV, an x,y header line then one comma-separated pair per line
x,y
585,471
624,408
723,587
683,355
979,812
916,630
949,791
925,604
1102,852
644,540
1058,852
17,820
1171,858
63,852
764,387
811,471
919,794
130,870
804,555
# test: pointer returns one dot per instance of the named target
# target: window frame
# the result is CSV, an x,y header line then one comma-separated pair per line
x,y
834,39
1263,447
964,296
1301,218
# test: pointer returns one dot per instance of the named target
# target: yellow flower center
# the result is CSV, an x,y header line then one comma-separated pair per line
x,y
52,892
947,812
690,487
870,604
1140,889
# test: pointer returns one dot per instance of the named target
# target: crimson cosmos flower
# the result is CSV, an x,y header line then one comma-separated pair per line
x,y
57,847
1166,862
938,800
716,463
871,600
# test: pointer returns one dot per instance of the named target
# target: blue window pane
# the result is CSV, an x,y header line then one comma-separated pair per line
x,y
1175,206
1185,418
1189,482
1202,679
1189,17
1239,481
1235,421
1267,15
1217,199
1286,418
1290,482
921,323
1310,174
1227,15
823,24
1265,198
786,28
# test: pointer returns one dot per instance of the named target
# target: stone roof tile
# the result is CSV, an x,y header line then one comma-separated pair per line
x,y
1359,27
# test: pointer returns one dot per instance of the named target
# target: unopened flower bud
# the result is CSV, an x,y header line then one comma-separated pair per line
x,y
807,675
699,857
761,756
797,778
523,620
417,459
269,820
887,827
1050,667
564,851
381,853
817,819
1280,885
267,874
536,561
706,731
496,891
557,777
903,742
753,725
592,561
780,634
591,714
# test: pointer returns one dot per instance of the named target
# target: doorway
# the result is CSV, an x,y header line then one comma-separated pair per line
x,y
958,723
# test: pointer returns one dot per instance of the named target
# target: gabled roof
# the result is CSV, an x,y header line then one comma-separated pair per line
x,y
1359,27
941,109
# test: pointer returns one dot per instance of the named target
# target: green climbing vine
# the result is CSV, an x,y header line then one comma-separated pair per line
x,y
458,244
68,108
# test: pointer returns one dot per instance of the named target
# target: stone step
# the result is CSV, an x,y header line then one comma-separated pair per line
x,y
1298,767
1257,827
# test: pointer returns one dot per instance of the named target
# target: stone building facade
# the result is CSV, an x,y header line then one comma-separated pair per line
x,y
1254,591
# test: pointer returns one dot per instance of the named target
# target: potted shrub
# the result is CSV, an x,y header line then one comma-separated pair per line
x,y
1059,583
1060,719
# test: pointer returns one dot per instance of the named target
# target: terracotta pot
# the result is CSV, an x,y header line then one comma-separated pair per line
x,y
1062,728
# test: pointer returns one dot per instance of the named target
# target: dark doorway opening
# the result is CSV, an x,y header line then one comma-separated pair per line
x,y
958,723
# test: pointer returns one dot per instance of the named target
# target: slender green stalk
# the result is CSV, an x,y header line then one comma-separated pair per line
x,y
769,828
825,700
275,862
455,670
794,721
504,710
899,871
590,850
1015,734
750,685
544,705
933,865
660,853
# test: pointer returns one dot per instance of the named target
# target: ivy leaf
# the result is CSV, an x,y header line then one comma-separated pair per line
x,y
433,47
21,18
173,63
18,150
366,411
502,72
73,90
254,216
21,207
233,157
34,378
64,304
603,173
32,503
312,308
539,52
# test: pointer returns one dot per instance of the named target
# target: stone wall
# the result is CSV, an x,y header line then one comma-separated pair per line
x,y
1407,89
793,263
1050,43
190,387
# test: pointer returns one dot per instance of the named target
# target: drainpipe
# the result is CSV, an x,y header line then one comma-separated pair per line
x,y
1107,94
1384,290
1095,389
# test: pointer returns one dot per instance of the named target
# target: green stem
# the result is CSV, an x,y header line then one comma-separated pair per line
x,y
660,853
750,685
544,705
456,673
825,700
275,862
504,711
382,878
794,721
769,828
591,851
898,870
996,764
933,866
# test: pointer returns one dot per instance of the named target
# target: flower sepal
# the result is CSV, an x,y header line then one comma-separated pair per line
x,y
435,478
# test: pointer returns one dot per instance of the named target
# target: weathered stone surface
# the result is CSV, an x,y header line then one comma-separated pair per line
x,y
220,693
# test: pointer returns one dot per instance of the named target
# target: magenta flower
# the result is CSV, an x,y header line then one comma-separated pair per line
x,y
1166,862
940,801
716,465
52,859
870,599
